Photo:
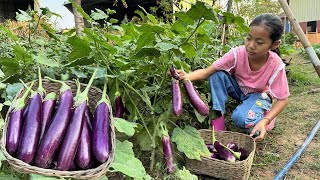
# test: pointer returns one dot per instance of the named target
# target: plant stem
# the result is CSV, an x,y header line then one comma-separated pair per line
x,y
194,31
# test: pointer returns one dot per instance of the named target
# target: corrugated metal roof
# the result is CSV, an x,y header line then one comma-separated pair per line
x,y
306,10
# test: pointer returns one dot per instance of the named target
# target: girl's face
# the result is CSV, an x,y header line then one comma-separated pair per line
x,y
258,43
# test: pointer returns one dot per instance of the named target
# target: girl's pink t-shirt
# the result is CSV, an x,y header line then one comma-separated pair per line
x,y
271,77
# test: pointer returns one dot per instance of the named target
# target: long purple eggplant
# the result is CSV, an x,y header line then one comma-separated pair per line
x,y
176,98
71,139
167,150
48,106
101,139
52,138
195,99
84,151
15,122
223,152
31,126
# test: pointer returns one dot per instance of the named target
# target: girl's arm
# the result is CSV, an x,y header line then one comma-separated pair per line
x,y
199,74
276,108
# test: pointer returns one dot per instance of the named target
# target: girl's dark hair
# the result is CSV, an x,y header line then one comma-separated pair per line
x,y
272,23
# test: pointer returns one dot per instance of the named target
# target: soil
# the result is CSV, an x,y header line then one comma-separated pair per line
x,y
293,127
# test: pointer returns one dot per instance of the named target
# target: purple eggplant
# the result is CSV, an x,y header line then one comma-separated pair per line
x,y
71,139
31,127
174,73
215,155
195,99
84,151
119,107
224,153
16,122
48,106
167,150
176,98
210,147
101,139
243,154
52,138
233,146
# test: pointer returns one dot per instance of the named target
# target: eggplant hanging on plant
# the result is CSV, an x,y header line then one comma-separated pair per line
x,y
53,137
101,137
167,150
31,127
15,122
48,106
176,98
120,108
195,99
71,139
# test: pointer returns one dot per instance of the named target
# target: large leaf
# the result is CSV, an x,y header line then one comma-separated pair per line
x,y
42,58
81,11
20,53
8,177
98,14
147,51
10,66
189,142
23,16
80,48
2,157
179,27
165,46
125,161
13,89
81,62
125,126
202,10
182,16
189,50
185,174
145,39
153,28
9,33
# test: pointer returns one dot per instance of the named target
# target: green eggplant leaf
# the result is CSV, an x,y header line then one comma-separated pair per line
x,y
185,174
80,48
189,142
126,162
125,126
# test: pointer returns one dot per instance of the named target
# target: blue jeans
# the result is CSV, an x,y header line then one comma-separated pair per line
x,y
251,108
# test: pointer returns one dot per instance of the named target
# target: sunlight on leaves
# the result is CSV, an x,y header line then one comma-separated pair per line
x,y
125,126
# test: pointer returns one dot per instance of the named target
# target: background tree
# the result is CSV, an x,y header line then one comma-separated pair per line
x,y
248,9
78,19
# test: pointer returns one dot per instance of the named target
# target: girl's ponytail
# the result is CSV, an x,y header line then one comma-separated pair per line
x,y
277,50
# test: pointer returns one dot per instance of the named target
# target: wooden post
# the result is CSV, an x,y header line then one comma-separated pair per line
x,y
304,41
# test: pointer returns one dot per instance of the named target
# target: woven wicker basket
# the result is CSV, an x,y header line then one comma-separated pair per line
x,y
224,169
94,173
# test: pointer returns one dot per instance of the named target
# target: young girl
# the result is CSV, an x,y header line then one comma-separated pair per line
x,y
252,74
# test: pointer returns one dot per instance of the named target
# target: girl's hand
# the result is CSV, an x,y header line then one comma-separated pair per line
x,y
182,74
261,127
